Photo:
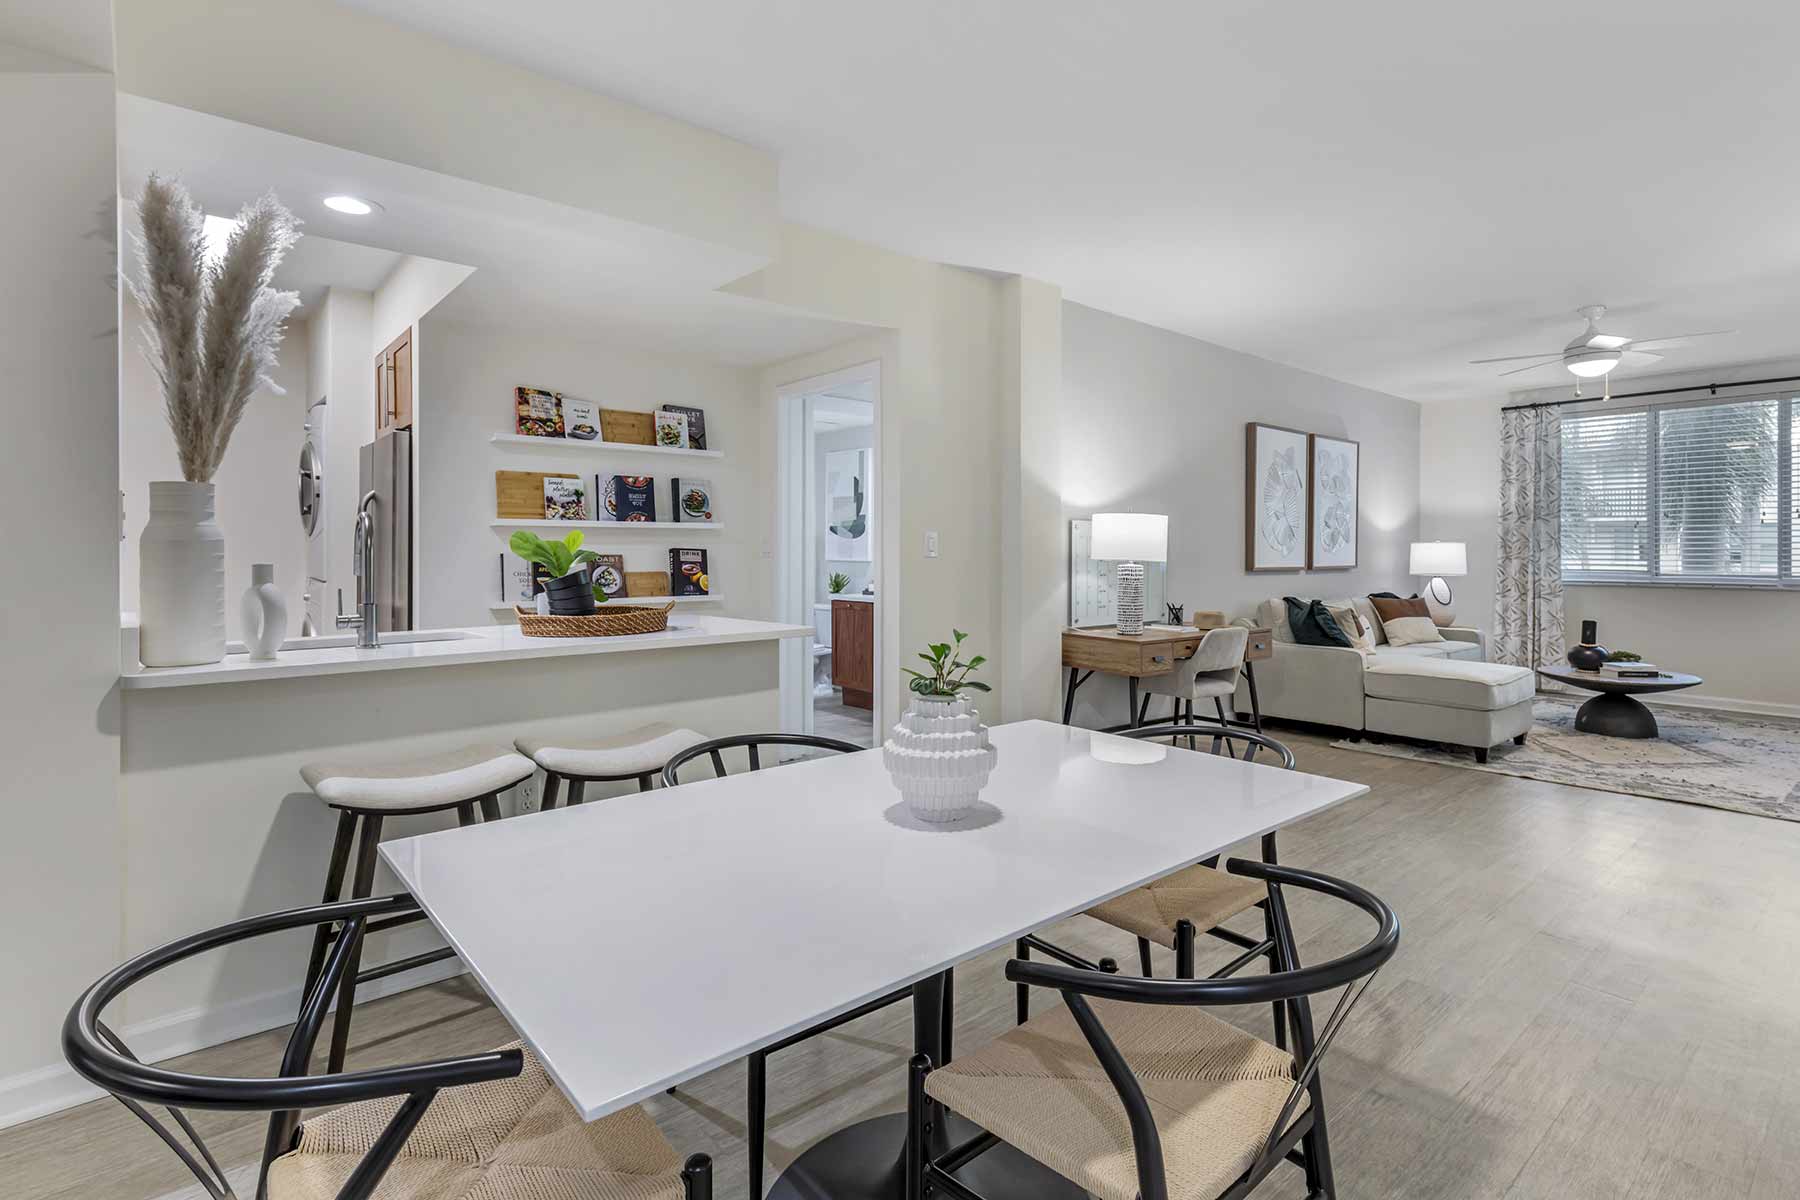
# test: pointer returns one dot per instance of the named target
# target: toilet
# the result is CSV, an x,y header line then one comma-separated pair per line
x,y
821,651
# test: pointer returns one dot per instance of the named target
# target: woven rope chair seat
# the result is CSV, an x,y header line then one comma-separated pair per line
x,y
1213,1090
512,1139
1199,894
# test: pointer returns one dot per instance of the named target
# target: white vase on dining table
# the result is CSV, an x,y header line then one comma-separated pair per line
x,y
939,756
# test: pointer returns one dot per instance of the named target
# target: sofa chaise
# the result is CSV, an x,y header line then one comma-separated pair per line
x,y
1434,691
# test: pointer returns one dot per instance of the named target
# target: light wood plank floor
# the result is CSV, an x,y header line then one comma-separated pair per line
x,y
1593,998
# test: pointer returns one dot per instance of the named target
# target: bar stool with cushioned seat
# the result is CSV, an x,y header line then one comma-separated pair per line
x,y
636,754
366,794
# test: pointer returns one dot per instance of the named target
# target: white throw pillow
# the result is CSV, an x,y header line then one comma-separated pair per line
x,y
1411,631
1366,611
1345,615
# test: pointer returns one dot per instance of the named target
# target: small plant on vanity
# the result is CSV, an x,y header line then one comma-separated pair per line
x,y
838,582
944,682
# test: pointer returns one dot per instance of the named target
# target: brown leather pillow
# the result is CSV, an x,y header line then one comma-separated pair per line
x,y
1405,622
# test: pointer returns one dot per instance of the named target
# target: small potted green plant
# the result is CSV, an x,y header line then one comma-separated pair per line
x,y
572,591
939,755
838,582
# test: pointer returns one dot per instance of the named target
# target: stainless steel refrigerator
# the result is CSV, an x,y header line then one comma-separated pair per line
x,y
385,466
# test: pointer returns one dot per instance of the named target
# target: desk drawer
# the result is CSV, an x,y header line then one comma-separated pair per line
x,y
1260,646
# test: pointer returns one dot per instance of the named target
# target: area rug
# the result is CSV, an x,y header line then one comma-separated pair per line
x,y
1722,760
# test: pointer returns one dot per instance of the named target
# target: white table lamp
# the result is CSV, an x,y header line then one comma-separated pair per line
x,y
1441,561
1131,540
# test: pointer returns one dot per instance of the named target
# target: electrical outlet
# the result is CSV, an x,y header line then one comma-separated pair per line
x,y
525,795
931,543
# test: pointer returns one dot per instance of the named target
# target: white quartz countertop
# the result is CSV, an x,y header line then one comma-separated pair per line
x,y
456,647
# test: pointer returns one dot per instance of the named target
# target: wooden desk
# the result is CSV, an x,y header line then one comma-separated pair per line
x,y
1153,652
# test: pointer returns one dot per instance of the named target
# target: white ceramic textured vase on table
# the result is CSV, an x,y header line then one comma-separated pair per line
x,y
265,614
181,578
939,757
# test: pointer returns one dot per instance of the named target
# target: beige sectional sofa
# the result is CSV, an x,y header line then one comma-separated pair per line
x,y
1437,691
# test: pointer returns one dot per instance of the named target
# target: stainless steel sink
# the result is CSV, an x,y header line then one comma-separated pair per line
x,y
337,640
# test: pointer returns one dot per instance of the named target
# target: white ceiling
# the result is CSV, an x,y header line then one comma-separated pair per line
x,y
540,267
1377,192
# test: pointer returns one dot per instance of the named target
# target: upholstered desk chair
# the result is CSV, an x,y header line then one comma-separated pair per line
x,y
1211,674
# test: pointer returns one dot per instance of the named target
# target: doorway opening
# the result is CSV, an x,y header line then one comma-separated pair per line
x,y
830,542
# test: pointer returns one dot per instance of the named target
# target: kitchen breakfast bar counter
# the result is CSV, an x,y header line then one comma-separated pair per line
x,y
218,824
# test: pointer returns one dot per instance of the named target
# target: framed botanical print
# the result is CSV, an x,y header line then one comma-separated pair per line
x,y
1275,498
1331,516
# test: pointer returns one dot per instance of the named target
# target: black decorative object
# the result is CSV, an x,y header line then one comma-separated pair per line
x,y
572,595
1176,612
1589,654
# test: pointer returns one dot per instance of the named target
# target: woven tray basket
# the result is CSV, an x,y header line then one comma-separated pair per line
x,y
613,620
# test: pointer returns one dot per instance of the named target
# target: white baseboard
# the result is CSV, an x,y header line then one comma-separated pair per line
x,y
1753,708
28,1095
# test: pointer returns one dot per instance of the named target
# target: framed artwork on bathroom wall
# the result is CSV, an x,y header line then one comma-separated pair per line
x,y
1275,498
1335,479
849,503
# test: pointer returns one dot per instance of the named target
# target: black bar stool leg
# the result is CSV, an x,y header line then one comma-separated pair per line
x,y
551,780
949,1010
465,814
1022,949
361,887
1184,949
646,782
1144,958
490,807
576,788
757,1121
334,883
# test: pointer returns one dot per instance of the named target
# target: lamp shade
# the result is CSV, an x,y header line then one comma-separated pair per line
x,y
1439,558
1134,537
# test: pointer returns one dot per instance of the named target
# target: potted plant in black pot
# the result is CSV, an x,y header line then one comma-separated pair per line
x,y
571,589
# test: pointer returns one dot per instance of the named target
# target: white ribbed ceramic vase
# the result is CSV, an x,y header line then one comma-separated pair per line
x,y
181,578
939,757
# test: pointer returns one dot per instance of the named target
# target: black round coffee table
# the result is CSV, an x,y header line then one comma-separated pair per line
x,y
1613,712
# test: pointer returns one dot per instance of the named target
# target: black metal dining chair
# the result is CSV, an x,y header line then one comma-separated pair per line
x,y
502,1131
756,1104
1133,1091
1174,911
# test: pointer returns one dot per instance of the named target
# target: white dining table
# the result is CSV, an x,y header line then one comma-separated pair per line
x,y
639,941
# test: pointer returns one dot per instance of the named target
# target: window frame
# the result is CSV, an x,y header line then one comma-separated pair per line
x,y
1787,569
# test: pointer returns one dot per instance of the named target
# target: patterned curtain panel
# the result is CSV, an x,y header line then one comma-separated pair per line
x,y
1528,590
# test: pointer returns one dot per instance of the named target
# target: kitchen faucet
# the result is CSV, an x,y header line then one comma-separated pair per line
x,y
367,636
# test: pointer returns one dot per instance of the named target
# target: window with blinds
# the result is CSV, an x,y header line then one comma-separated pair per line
x,y
1699,492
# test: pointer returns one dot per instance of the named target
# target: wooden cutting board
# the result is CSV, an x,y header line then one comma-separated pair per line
x,y
630,428
519,495
646,583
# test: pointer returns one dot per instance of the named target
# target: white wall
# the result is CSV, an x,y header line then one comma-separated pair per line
x,y
254,489
939,432
1725,635
61,875
1154,421
861,573
340,331
466,396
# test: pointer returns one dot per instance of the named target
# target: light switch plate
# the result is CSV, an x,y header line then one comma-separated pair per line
x,y
931,543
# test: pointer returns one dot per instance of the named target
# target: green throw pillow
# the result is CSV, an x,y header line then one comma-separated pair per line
x,y
1313,624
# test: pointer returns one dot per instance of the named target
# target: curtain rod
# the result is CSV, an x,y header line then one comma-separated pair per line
x,y
1698,387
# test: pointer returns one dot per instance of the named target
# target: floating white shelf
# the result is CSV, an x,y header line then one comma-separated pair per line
x,y
683,526
564,443
499,606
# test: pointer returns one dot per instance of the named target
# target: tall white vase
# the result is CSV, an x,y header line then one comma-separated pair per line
x,y
265,613
940,758
181,578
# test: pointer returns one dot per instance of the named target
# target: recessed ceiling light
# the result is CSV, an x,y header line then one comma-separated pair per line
x,y
350,204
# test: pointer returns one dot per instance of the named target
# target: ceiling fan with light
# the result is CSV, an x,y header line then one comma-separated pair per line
x,y
1592,354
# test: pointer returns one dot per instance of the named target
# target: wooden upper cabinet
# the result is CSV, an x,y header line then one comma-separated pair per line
x,y
394,385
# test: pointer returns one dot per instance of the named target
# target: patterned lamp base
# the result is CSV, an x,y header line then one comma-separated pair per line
x,y
1130,578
